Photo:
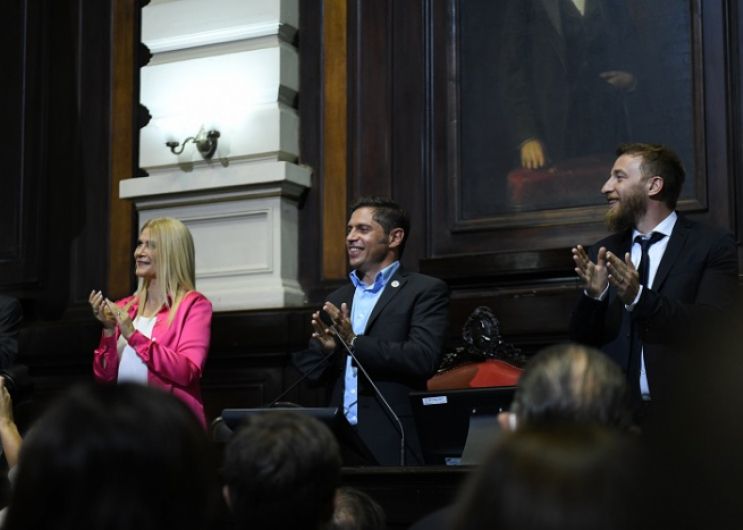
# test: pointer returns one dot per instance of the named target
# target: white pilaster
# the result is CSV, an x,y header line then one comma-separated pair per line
x,y
228,65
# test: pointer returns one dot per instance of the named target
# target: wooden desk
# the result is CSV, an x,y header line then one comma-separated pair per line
x,y
408,493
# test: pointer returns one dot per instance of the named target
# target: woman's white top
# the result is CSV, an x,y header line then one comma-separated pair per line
x,y
131,368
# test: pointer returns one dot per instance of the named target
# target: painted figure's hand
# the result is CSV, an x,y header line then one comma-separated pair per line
x,y
533,154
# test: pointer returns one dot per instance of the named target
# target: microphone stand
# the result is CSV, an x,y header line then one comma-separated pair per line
x,y
376,390
304,376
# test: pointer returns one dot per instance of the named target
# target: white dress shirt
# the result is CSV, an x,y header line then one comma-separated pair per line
x,y
655,254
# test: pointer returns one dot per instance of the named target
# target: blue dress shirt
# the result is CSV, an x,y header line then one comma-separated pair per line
x,y
364,300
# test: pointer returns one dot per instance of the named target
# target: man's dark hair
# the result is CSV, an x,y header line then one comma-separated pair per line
x,y
282,469
355,510
121,457
387,213
571,382
662,161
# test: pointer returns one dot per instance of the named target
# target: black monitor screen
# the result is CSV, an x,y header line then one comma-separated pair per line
x,y
442,418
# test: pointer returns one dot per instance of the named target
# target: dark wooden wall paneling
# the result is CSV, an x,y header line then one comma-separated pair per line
x,y
387,109
127,57
335,120
719,90
12,112
310,45
58,250
369,97
62,60
408,123
734,68
21,183
318,126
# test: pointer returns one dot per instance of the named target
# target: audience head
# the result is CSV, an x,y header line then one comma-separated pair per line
x,y
355,510
570,382
553,477
281,470
123,457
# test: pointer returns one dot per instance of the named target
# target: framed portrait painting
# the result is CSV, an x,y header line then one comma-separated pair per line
x,y
539,93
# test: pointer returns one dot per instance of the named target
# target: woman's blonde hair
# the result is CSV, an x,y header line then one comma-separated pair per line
x,y
175,266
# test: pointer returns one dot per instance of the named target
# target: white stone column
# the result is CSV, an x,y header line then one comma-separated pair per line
x,y
228,65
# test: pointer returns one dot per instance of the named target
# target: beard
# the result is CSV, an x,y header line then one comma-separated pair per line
x,y
628,210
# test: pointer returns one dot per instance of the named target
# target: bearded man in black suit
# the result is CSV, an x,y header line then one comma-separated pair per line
x,y
691,275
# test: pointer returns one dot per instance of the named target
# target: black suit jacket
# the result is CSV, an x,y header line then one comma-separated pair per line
x,y
10,324
401,349
537,88
695,284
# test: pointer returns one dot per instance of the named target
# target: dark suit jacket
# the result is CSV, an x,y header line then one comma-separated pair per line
x,y
538,86
10,324
695,284
401,349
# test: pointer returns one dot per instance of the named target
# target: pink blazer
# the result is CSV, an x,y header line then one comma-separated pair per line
x,y
175,355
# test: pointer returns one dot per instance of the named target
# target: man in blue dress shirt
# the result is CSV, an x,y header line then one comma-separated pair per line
x,y
395,321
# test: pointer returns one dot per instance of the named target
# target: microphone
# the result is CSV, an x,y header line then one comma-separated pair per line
x,y
325,317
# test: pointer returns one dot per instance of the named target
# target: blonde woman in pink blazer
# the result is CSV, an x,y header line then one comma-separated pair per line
x,y
160,335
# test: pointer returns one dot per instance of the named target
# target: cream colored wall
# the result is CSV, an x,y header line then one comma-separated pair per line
x,y
228,65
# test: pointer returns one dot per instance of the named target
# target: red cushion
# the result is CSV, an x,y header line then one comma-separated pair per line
x,y
492,372
577,178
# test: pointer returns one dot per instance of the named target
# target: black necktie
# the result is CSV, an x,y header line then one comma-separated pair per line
x,y
635,361
645,244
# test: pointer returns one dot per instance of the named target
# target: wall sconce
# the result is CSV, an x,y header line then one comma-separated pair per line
x,y
206,143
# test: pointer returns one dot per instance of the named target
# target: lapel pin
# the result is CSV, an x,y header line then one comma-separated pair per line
x,y
395,283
